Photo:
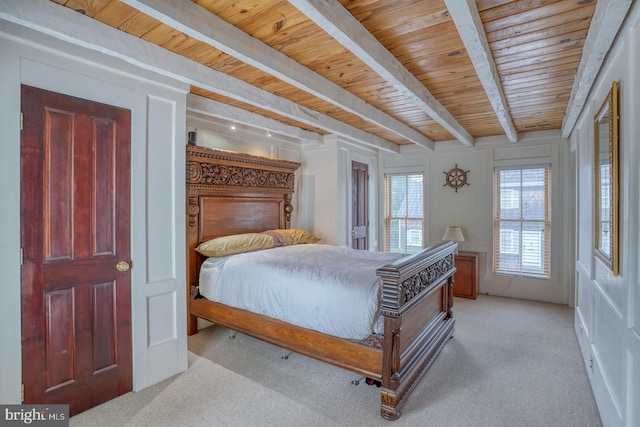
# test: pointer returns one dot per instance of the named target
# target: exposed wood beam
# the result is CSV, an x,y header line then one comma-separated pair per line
x,y
65,24
196,22
467,20
346,29
605,24
209,107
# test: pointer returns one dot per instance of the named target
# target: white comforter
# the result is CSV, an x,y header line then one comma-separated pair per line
x,y
330,289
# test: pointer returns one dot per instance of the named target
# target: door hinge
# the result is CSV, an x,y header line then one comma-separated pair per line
x,y
591,362
21,120
21,256
22,393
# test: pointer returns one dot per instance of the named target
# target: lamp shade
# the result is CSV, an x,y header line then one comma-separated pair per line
x,y
454,234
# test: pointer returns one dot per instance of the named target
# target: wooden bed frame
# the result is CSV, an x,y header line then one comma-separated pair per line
x,y
230,193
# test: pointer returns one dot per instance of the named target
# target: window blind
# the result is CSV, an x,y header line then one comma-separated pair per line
x,y
522,221
403,213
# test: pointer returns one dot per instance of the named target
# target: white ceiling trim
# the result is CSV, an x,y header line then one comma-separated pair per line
x,y
346,29
605,24
67,25
467,19
211,108
196,22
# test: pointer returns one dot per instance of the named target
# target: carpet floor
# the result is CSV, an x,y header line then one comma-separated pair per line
x,y
510,363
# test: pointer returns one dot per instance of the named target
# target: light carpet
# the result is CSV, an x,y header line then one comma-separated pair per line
x,y
210,395
511,363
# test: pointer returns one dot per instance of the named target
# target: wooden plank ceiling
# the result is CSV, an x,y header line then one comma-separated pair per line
x,y
402,71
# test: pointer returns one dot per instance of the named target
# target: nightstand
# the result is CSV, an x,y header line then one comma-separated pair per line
x,y
465,281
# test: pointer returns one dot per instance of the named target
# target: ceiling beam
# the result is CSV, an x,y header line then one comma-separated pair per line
x,y
346,29
605,24
196,22
67,25
467,20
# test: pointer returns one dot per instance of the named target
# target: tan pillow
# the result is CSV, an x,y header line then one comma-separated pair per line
x,y
291,236
235,244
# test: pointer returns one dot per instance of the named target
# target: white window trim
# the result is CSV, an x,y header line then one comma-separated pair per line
x,y
405,173
492,261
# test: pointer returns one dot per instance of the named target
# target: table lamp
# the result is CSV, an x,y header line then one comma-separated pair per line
x,y
454,234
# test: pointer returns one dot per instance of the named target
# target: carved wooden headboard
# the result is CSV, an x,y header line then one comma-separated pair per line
x,y
232,193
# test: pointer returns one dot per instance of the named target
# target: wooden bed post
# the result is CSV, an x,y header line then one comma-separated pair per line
x,y
450,281
193,211
288,209
417,287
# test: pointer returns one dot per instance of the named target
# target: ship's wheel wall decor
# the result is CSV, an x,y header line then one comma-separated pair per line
x,y
456,178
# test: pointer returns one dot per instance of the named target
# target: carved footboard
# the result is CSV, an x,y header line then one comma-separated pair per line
x,y
417,301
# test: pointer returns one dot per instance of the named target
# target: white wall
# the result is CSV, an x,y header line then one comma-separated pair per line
x,y
326,198
322,205
217,133
471,207
157,194
607,320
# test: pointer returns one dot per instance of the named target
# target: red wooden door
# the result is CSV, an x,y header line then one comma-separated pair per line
x,y
75,228
360,207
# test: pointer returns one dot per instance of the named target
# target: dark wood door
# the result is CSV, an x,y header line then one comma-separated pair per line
x,y
75,228
360,208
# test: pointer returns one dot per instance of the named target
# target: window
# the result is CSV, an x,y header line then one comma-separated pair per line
x,y
403,213
522,225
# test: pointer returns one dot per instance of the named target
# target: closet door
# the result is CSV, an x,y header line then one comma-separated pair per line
x,y
75,231
360,207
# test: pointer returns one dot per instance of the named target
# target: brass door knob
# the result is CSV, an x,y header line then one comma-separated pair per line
x,y
123,266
